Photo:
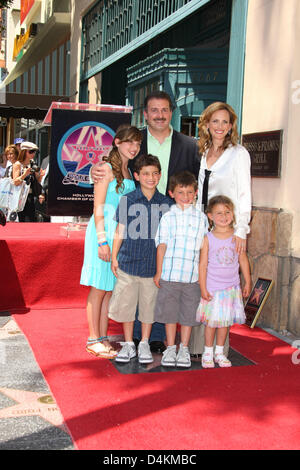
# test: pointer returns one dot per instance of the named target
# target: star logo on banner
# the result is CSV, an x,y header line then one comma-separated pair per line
x,y
32,404
9,329
90,152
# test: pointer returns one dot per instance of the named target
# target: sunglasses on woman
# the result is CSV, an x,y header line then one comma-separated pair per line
x,y
31,151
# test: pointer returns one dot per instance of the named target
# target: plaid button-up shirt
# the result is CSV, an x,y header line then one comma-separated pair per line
x,y
182,231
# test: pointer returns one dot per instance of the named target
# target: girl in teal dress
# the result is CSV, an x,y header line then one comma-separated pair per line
x,y
96,270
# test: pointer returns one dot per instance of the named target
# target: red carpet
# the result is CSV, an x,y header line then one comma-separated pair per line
x,y
252,407
249,407
40,267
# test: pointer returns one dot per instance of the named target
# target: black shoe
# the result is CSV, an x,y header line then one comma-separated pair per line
x,y
196,356
2,218
157,346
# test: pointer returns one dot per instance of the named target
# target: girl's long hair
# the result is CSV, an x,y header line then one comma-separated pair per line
x,y
205,140
124,133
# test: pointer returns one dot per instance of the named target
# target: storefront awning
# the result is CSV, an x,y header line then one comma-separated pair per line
x,y
27,113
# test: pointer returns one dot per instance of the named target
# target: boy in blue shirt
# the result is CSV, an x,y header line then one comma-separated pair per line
x,y
134,257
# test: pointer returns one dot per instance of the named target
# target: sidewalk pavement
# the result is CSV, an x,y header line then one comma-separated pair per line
x,y
29,416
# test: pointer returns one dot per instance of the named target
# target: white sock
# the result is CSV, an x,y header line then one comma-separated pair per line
x,y
219,349
209,350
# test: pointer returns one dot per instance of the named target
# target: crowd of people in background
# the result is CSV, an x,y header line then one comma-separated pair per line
x,y
18,162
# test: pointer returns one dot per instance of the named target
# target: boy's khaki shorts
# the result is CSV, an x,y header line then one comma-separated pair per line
x,y
129,293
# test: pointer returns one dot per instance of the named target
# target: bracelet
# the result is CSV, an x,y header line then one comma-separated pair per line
x,y
99,233
101,240
103,244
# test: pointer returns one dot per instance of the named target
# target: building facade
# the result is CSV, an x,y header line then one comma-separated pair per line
x,y
271,101
193,49
38,67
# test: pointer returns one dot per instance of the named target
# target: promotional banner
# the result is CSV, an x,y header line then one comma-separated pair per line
x,y
79,139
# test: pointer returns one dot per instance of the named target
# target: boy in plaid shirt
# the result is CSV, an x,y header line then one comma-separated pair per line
x,y
178,239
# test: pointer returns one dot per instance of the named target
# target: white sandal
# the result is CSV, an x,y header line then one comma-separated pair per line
x,y
207,361
222,360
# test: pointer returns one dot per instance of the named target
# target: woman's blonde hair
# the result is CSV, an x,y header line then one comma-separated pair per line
x,y
205,140
214,201
12,148
125,133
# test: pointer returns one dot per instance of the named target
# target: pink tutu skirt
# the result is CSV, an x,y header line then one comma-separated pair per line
x,y
225,309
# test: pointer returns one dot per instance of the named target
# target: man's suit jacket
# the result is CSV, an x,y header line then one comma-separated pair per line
x,y
184,154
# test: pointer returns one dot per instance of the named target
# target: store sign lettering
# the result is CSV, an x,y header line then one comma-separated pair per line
x,y
21,40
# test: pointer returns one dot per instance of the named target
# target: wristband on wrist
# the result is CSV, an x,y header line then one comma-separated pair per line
x,y
103,244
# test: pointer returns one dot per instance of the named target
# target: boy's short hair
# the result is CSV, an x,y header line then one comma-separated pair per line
x,y
146,160
184,178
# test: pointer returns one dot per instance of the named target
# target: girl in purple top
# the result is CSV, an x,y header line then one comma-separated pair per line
x,y
221,302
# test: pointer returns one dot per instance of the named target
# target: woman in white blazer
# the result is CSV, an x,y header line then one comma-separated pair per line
x,y
225,166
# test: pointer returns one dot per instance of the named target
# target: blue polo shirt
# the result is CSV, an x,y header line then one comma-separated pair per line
x,y
137,255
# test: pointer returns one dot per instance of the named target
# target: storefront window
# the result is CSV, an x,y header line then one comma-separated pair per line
x,y
111,25
138,96
189,126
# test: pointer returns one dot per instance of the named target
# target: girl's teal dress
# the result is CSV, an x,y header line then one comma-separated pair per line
x,y
95,272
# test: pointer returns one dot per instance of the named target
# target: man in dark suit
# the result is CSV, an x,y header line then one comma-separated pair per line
x,y
176,152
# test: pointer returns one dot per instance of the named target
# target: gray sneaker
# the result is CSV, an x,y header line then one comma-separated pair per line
x,y
183,358
169,357
127,352
144,353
